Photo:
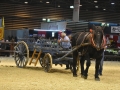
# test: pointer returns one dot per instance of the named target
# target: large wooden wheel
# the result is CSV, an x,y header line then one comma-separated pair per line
x,y
21,54
47,62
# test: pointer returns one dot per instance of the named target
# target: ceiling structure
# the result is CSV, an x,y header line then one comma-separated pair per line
x,y
88,5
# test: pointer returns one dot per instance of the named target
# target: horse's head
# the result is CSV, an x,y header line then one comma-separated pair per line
x,y
97,38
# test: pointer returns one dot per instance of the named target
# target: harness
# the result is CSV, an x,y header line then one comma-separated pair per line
x,y
82,42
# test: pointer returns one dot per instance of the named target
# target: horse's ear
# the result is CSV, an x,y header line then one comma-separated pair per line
x,y
91,30
94,28
103,27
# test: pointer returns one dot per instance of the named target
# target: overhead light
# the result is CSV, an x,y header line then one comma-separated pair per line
x,y
44,19
71,6
96,6
112,3
104,9
47,2
26,2
95,1
48,20
58,5
80,5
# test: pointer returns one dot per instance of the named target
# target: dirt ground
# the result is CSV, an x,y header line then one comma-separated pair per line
x,y
34,78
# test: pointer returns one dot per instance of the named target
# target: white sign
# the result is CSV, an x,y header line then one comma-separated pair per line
x,y
115,29
76,10
54,26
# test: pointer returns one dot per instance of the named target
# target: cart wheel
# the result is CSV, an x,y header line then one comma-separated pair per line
x,y
21,54
41,59
47,62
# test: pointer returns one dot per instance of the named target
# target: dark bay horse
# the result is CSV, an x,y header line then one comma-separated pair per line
x,y
94,49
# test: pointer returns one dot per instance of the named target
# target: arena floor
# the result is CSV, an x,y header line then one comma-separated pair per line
x,y
34,78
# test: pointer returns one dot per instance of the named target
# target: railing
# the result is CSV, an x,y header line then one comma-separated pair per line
x,y
51,46
7,47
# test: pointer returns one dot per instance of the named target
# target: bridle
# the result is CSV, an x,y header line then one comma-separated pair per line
x,y
103,44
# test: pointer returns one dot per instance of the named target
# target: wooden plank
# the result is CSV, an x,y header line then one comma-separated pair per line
x,y
6,50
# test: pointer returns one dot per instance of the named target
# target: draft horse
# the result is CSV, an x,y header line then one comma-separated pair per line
x,y
94,49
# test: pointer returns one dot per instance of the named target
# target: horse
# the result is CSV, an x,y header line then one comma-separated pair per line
x,y
92,46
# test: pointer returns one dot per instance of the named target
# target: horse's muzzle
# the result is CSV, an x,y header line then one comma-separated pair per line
x,y
98,47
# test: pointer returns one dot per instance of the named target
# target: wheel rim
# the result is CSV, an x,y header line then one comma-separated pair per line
x,y
47,62
21,54
41,60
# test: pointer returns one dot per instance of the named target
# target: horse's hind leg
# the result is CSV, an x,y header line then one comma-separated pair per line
x,y
75,55
82,60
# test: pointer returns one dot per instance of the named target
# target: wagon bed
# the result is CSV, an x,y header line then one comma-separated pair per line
x,y
48,52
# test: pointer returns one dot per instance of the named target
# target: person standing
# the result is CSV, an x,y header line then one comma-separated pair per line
x,y
101,65
102,60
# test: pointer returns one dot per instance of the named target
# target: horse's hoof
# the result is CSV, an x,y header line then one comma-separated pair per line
x,y
85,77
82,76
97,79
75,75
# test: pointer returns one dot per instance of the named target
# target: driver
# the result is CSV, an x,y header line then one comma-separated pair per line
x,y
65,41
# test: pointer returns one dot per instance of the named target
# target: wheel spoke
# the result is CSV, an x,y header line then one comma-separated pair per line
x,y
18,62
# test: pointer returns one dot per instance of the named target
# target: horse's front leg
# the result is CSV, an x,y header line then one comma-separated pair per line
x,y
88,63
75,55
97,68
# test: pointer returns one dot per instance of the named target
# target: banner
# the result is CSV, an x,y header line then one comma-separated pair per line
x,y
115,29
3,24
1,32
2,28
76,10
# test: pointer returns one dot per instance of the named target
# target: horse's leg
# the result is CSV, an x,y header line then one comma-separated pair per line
x,y
98,60
82,60
88,63
75,55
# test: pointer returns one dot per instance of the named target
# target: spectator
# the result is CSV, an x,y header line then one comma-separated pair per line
x,y
7,48
114,44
